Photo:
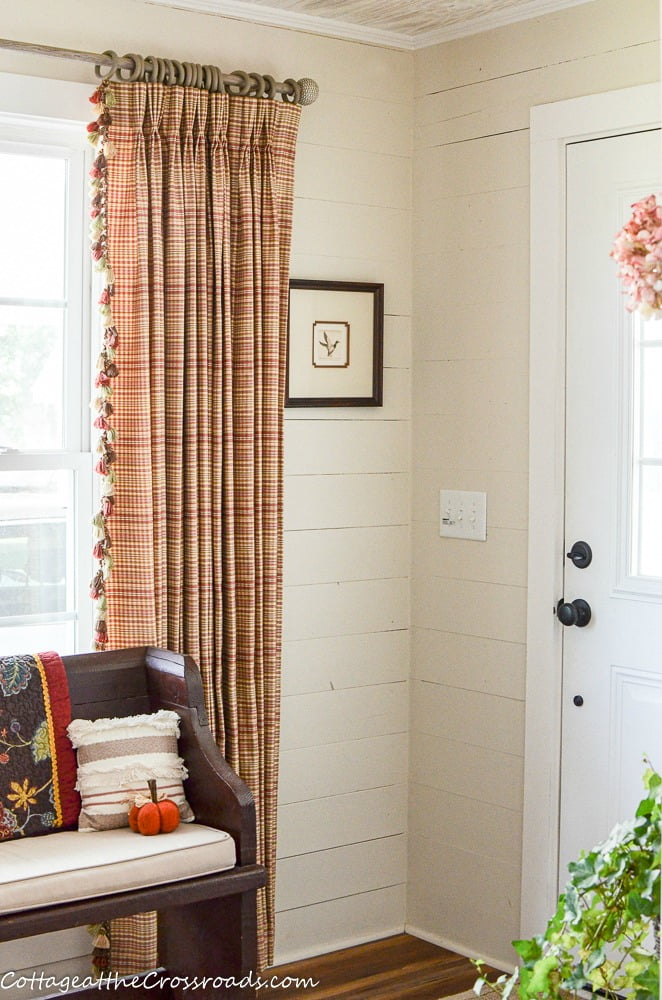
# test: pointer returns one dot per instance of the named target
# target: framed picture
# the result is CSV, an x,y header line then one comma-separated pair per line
x,y
335,343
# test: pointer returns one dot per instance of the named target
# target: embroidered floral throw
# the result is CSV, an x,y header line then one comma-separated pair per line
x,y
37,760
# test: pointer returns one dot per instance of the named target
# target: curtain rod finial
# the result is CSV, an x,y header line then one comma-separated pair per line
x,y
309,91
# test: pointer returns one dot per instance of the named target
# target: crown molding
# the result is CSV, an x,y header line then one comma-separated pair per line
x,y
275,17
294,21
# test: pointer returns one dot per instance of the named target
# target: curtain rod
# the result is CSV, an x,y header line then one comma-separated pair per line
x,y
133,68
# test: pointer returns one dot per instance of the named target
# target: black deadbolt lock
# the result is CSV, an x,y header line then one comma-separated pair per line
x,y
580,555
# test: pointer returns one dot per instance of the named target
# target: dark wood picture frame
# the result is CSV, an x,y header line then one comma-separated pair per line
x,y
355,311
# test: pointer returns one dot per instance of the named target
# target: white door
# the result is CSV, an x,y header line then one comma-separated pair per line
x,y
612,667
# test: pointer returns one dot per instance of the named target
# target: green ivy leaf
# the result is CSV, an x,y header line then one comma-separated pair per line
x,y
652,881
509,987
649,979
652,779
645,807
529,951
595,959
571,903
584,872
539,982
639,906
577,979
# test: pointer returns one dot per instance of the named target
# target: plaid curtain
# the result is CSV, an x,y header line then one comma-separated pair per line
x,y
197,193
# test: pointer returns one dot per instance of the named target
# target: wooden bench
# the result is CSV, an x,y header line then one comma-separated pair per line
x,y
207,923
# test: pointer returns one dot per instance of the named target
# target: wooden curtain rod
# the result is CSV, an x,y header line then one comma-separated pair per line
x,y
133,67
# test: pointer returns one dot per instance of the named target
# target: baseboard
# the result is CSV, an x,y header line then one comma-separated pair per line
x,y
460,949
300,955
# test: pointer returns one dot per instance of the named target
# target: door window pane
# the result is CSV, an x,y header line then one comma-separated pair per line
x,y
650,522
649,329
646,453
36,533
32,382
33,212
651,397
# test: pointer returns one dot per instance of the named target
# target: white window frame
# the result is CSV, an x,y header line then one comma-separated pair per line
x,y
49,116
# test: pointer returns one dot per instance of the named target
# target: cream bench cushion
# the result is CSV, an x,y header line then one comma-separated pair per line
x,y
70,865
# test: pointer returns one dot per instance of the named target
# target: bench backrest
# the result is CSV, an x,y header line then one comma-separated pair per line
x,y
122,682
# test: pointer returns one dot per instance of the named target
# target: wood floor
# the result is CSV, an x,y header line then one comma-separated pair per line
x,y
396,968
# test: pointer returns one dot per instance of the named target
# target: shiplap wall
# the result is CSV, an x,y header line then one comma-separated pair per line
x,y
344,765
342,819
470,393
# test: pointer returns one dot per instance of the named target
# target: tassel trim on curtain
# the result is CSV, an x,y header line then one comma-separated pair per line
x,y
106,367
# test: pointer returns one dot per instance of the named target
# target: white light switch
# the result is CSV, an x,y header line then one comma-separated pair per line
x,y
463,514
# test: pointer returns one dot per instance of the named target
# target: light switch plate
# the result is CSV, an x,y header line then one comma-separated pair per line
x,y
463,514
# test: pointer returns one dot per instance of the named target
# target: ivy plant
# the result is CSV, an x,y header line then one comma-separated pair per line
x,y
605,932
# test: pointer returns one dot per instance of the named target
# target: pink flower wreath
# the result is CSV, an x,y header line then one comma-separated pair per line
x,y
638,251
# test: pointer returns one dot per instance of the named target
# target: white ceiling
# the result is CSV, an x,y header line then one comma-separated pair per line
x,y
405,24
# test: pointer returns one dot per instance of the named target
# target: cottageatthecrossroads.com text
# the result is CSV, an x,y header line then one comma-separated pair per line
x,y
155,980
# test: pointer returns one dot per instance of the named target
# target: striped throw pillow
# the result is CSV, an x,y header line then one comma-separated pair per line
x,y
117,757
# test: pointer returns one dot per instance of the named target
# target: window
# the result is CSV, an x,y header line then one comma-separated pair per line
x,y
45,459
647,458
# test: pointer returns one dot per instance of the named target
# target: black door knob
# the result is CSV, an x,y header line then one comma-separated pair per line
x,y
577,613
580,555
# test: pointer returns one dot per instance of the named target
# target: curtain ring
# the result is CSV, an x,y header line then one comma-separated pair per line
x,y
208,78
260,84
269,85
151,69
114,58
178,74
167,72
191,74
292,98
244,84
162,71
134,74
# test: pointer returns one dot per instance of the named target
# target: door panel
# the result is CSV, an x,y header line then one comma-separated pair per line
x,y
612,668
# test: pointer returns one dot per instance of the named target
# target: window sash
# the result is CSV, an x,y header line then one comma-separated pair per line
x,y
32,135
80,463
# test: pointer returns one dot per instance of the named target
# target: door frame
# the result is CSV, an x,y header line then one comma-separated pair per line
x,y
553,127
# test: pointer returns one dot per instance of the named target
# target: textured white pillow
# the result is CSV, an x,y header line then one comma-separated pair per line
x,y
117,757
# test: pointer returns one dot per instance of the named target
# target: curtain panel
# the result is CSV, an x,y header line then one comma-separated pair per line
x,y
198,216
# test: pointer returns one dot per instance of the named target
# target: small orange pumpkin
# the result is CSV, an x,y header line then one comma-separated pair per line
x,y
154,816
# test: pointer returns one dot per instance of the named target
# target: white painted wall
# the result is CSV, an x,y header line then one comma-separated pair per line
x,y
470,431
341,869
